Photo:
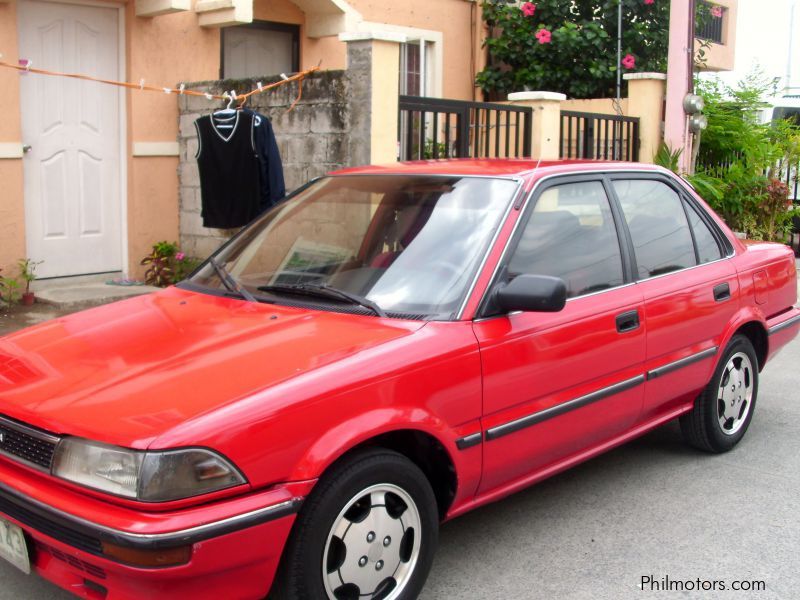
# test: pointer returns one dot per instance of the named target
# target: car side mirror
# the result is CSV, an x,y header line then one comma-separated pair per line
x,y
532,293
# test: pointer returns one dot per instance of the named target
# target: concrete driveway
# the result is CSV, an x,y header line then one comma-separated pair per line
x,y
651,508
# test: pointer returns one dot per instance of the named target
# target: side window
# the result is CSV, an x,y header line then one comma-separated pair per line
x,y
258,49
661,238
571,235
707,246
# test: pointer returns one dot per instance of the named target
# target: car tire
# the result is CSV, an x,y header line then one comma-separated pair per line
x,y
723,411
370,526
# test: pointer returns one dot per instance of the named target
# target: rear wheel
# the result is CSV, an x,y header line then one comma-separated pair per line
x,y
722,413
369,530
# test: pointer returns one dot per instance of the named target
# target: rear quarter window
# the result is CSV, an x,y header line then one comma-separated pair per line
x,y
662,240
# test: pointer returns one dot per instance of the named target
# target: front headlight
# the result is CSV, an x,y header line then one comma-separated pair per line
x,y
152,476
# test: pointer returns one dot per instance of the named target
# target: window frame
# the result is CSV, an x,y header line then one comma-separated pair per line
x,y
485,305
630,269
266,26
724,244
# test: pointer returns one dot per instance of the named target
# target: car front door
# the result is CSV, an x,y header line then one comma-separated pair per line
x,y
690,289
557,384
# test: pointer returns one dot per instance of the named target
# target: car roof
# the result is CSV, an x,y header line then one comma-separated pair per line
x,y
497,167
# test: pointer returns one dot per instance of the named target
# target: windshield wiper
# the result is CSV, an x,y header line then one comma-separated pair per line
x,y
324,290
230,283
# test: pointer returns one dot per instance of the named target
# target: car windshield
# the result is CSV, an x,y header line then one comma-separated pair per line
x,y
404,245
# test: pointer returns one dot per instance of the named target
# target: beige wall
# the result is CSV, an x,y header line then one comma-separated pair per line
x,y
451,17
12,209
164,51
603,106
168,49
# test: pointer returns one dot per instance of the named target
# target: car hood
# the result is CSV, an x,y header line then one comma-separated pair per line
x,y
129,371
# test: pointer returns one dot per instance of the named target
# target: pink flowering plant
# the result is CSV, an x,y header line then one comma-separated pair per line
x,y
544,36
571,46
528,9
629,62
167,264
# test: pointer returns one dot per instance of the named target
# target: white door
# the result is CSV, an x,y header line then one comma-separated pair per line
x,y
73,203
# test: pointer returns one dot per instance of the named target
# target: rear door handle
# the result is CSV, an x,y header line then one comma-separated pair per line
x,y
628,321
722,292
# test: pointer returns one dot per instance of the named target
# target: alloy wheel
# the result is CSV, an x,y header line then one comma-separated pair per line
x,y
373,545
735,393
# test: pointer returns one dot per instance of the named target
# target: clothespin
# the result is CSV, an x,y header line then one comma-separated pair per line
x,y
28,65
209,96
260,87
141,83
284,77
167,90
181,88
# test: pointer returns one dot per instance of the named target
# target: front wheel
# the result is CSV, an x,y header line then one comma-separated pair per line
x,y
368,531
723,411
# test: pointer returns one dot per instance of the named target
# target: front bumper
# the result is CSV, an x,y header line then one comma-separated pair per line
x,y
235,544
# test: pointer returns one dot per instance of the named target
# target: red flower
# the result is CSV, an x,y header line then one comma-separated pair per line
x,y
629,62
649,1
544,36
528,8
716,11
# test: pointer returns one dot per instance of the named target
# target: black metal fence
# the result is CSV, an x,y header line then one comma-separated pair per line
x,y
600,136
439,128
785,171
790,175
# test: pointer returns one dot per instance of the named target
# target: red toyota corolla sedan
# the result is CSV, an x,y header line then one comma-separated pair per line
x,y
389,348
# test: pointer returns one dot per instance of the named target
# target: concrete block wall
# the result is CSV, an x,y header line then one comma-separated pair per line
x,y
314,138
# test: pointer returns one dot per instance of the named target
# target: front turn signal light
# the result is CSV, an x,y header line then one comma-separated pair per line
x,y
164,557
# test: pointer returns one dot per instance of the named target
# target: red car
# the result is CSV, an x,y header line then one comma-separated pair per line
x,y
390,348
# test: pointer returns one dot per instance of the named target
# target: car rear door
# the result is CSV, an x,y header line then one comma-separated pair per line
x,y
556,384
690,288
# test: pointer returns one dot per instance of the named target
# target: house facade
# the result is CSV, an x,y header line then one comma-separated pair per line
x,y
89,172
92,175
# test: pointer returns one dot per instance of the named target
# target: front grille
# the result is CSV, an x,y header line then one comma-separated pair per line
x,y
74,562
49,527
23,442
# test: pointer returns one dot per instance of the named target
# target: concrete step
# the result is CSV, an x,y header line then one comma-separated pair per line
x,y
85,291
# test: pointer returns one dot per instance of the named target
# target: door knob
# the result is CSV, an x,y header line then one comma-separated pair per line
x,y
26,148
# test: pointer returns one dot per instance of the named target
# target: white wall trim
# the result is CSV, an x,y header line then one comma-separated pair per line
x,y
156,149
521,96
123,143
416,34
11,150
155,8
381,36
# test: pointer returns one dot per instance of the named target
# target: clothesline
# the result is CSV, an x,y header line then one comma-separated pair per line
x,y
181,91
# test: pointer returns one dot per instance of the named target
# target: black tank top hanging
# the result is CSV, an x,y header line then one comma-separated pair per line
x,y
229,171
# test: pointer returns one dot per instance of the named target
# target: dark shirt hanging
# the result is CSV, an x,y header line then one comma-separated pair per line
x,y
273,188
230,171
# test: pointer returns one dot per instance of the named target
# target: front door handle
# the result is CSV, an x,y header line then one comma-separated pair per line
x,y
722,292
628,321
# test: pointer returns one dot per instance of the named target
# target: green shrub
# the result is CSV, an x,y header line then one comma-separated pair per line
x,y
747,158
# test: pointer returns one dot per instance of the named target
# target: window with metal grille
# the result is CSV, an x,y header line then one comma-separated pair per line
x,y
710,26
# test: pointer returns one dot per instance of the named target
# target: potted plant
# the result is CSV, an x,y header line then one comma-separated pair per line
x,y
27,270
